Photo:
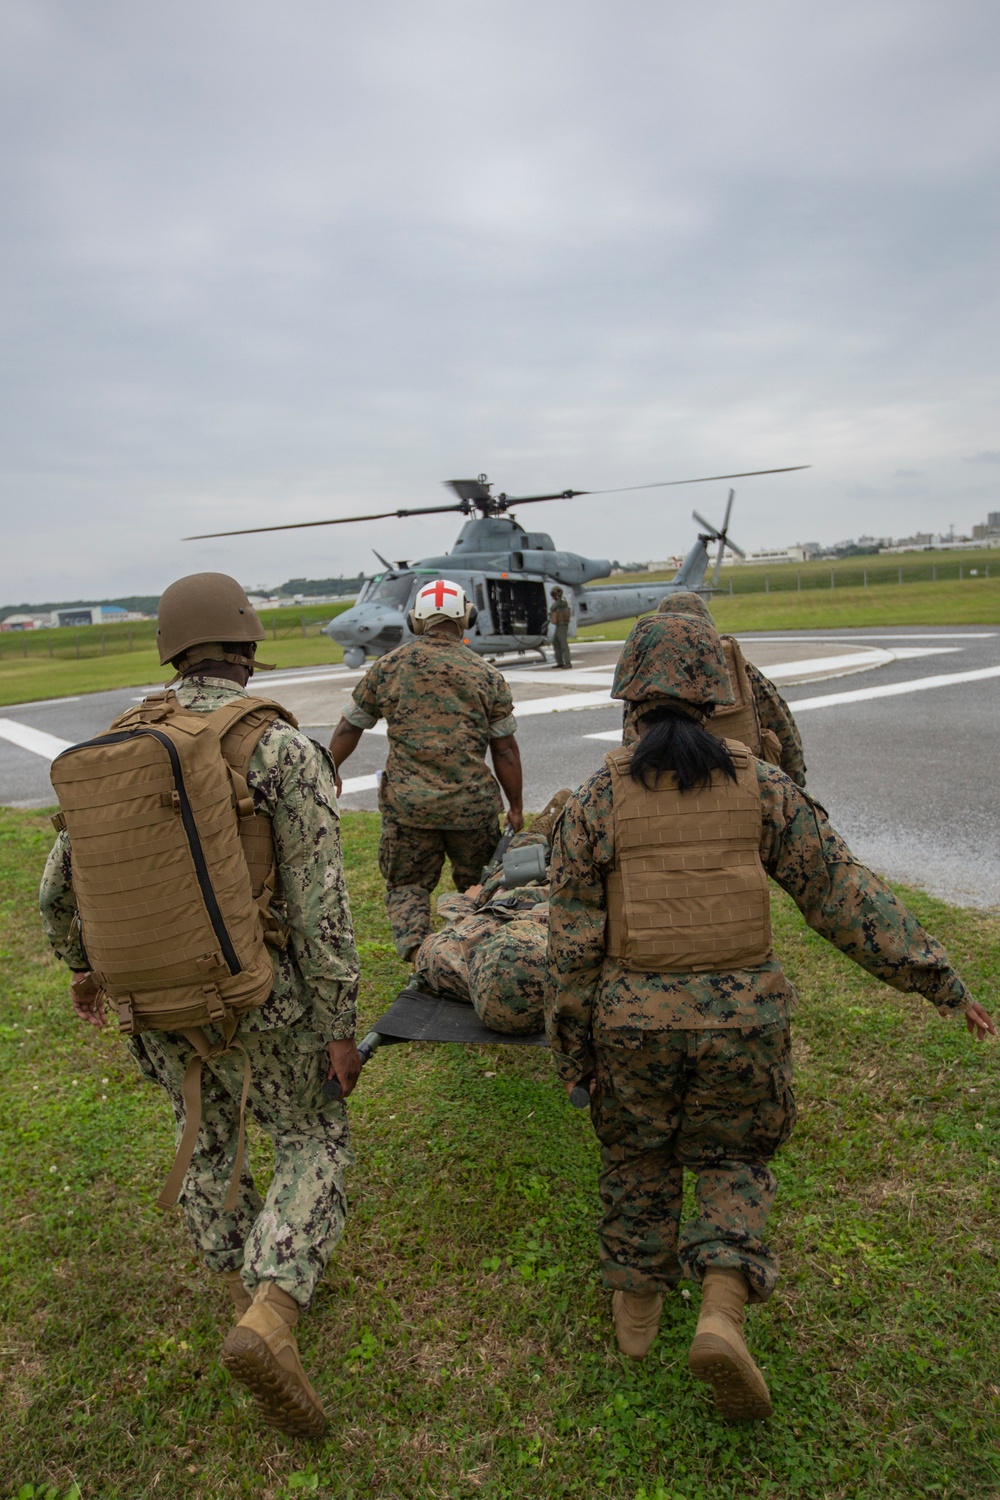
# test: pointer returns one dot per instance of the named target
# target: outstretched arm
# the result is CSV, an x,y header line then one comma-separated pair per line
x,y
849,905
343,743
507,765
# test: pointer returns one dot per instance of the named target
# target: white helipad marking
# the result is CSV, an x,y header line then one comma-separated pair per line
x,y
860,695
575,677
35,740
530,707
906,653
855,661
895,689
358,784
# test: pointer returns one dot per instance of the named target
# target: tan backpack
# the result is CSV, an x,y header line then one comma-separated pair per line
x,y
741,721
173,874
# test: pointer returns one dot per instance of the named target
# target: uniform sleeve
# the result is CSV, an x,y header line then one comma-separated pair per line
x,y
305,825
364,711
57,905
502,720
581,853
847,903
775,714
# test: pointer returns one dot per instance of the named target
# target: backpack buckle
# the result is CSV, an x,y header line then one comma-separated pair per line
x,y
213,1003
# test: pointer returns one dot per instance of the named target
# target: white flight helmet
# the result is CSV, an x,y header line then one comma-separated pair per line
x,y
441,600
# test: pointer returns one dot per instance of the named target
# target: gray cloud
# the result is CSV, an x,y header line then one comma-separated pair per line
x,y
264,266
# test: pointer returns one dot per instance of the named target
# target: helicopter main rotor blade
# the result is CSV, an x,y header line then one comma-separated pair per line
x,y
507,501
663,484
382,515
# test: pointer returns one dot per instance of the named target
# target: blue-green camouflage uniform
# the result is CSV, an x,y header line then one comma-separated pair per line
x,y
289,1236
442,705
694,1070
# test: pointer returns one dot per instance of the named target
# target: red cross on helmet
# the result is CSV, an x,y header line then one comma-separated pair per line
x,y
442,597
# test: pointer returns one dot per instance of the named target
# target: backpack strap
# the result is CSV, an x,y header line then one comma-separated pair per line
x,y
204,1052
240,726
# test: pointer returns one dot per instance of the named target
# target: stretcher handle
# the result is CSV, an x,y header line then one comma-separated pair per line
x,y
367,1047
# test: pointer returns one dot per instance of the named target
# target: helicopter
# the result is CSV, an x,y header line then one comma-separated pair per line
x,y
509,573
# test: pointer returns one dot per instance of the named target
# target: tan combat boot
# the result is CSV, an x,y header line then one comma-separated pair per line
x,y
234,1286
261,1353
637,1319
719,1355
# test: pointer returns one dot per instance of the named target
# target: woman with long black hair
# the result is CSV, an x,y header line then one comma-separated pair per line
x,y
664,995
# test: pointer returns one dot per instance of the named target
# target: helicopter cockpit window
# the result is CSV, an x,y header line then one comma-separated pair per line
x,y
392,591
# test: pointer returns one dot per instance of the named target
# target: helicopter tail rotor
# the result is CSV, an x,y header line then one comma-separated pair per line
x,y
712,533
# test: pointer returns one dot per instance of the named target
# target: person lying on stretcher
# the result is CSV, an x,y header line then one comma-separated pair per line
x,y
491,951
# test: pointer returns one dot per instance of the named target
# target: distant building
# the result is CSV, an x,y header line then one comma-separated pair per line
x,y
93,614
25,622
794,554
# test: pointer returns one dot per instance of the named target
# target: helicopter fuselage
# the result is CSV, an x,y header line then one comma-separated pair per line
x,y
508,574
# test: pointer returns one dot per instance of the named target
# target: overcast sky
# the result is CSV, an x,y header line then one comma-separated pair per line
x,y
270,262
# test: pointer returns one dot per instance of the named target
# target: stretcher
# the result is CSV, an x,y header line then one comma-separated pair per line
x,y
416,1017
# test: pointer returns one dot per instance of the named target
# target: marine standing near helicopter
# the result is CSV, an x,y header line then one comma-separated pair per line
x,y
664,993
443,706
560,616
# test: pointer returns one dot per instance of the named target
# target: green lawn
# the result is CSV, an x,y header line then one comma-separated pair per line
x,y
971,601
45,664
461,1340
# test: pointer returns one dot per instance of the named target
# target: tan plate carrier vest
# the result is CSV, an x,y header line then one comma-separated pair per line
x,y
174,876
688,893
741,721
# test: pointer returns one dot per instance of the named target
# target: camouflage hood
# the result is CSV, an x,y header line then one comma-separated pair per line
x,y
684,603
673,658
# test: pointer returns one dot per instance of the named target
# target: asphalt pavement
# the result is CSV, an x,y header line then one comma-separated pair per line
x,y
899,727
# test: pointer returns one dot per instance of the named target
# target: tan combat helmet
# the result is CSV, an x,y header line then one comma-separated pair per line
x,y
209,611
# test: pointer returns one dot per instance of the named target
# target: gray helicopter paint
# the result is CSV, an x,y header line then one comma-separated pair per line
x,y
491,556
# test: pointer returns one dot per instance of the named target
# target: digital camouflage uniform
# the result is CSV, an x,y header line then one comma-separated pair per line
x,y
288,1236
492,955
694,1069
772,710
442,705
560,616
492,950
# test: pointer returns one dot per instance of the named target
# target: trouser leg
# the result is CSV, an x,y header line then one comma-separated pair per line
x,y
561,644
738,1110
289,1238
636,1111
218,1233
303,1215
410,860
469,849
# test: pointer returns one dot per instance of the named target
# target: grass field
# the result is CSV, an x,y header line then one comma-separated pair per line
x,y
461,1340
972,601
44,663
